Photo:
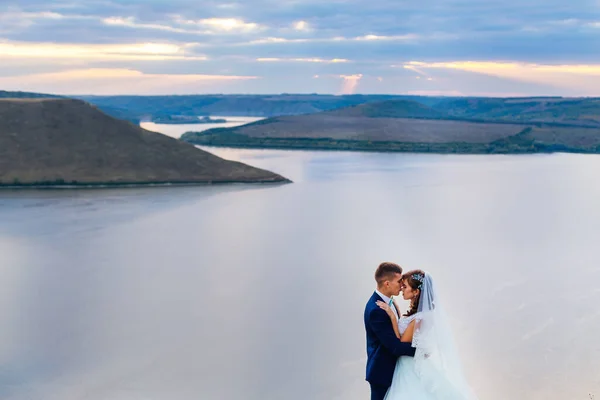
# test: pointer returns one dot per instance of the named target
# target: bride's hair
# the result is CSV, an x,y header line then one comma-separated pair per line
x,y
414,279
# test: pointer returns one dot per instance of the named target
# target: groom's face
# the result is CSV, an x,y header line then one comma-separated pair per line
x,y
395,285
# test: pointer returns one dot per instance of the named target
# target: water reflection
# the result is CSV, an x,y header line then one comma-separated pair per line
x,y
228,292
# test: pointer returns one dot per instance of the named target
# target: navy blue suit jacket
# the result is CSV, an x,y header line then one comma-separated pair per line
x,y
383,347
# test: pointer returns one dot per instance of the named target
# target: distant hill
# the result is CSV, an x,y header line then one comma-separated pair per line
x,y
390,109
584,112
151,107
116,112
66,141
402,125
568,111
573,111
26,95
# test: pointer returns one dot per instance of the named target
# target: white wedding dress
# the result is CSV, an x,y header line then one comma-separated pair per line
x,y
435,372
406,384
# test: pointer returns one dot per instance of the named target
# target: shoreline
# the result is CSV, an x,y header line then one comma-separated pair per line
x,y
327,144
105,185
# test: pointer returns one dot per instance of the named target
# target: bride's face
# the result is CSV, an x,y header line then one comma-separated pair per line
x,y
408,293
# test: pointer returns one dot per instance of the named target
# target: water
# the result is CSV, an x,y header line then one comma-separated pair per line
x,y
257,292
176,130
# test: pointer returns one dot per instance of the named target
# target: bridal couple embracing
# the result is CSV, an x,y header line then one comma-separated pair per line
x,y
411,355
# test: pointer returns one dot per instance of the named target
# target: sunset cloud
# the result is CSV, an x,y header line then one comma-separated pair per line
x,y
105,52
456,46
114,81
582,76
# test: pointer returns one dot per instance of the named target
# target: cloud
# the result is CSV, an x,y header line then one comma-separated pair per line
x,y
270,40
585,78
20,15
116,81
509,69
547,49
311,60
209,26
19,20
333,39
413,67
136,51
408,37
130,22
302,26
224,24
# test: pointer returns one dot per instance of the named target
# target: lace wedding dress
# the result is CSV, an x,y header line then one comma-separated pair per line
x,y
434,373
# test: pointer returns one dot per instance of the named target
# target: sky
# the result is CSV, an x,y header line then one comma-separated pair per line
x,y
428,47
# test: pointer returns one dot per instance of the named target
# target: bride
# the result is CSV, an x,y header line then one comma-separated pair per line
x,y
435,372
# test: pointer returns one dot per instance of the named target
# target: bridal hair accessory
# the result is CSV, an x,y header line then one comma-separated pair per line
x,y
419,278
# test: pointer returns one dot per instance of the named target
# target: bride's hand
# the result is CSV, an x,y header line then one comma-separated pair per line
x,y
385,307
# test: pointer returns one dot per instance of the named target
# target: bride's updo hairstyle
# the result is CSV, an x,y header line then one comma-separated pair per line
x,y
414,279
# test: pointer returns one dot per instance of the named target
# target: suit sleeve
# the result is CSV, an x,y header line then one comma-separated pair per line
x,y
382,327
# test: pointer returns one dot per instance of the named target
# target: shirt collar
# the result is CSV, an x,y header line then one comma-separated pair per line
x,y
384,297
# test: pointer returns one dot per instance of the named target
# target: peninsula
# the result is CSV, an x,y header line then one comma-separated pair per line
x,y
59,141
541,126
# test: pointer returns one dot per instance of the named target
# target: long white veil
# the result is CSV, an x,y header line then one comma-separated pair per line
x,y
437,362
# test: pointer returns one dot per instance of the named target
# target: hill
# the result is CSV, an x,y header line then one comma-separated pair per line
x,y
583,112
116,112
401,125
573,111
152,108
66,141
26,95
390,109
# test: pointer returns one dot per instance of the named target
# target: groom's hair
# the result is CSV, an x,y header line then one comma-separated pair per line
x,y
386,271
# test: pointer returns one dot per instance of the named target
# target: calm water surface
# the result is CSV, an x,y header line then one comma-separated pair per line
x,y
176,130
257,292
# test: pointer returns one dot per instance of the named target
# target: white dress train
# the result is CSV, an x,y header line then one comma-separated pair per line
x,y
413,383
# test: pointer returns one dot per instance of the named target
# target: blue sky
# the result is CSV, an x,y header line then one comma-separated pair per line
x,y
441,47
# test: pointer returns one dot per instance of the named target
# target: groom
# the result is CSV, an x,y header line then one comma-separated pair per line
x,y
383,347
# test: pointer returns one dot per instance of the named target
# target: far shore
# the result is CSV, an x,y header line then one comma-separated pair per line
x,y
185,120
